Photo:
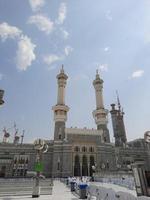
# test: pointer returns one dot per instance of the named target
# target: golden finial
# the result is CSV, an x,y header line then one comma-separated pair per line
x,y
62,69
97,72
118,100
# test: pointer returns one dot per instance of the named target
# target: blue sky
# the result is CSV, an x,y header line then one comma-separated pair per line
x,y
38,36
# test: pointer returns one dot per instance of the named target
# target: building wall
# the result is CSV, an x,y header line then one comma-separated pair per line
x,y
106,156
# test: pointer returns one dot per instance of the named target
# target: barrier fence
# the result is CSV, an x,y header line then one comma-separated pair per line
x,y
23,186
101,191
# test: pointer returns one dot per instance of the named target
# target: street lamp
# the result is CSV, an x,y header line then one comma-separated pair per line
x,y
1,97
93,171
41,147
147,136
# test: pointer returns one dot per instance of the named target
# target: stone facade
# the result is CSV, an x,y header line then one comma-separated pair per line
x,y
74,151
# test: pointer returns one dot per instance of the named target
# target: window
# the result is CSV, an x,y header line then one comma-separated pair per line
x,y
27,161
84,149
13,172
91,149
21,172
107,164
25,172
59,137
77,149
58,165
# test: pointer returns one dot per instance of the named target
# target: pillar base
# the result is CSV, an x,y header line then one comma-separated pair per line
x,y
35,196
36,191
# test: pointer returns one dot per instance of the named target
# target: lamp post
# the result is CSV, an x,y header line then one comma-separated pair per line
x,y
147,136
1,97
93,171
40,147
147,141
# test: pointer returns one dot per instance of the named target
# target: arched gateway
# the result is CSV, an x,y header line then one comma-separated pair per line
x,y
84,166
77,166
92,163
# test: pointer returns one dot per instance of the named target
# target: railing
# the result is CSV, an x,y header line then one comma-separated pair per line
x,y
122,179
23,186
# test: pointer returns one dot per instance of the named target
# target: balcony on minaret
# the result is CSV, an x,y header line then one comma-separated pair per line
x,y
98,82
100,116
62,75
60,112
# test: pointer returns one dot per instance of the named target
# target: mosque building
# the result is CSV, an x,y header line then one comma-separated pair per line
x,y
74,151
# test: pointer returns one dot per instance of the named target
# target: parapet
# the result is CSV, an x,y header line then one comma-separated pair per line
x,y
83,131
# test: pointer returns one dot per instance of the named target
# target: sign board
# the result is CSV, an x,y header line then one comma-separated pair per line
x,y
39,167
31,174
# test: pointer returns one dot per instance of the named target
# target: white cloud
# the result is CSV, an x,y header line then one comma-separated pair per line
x,y
68,50
43,23
7,31
65,34
1,76
108,15
137,74
36,4
103,67
62,13
25,53
106,49
52,58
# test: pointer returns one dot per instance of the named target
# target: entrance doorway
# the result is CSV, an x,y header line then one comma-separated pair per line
x,y
92,163
77,166
84,166
3,171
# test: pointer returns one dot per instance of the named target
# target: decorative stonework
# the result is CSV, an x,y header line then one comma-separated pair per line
x,y
60,113
83,131
100,116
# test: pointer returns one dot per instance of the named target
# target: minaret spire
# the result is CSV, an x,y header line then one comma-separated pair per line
x,y
62,69
98,85
61,80
118,100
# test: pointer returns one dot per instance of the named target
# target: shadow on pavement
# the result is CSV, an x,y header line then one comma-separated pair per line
x,y
18,197
74,198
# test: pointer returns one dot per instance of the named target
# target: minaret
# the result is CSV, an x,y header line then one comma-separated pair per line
x,y
100,114
118,124
60,109
114,118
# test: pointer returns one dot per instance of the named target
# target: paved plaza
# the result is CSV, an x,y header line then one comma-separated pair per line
x,y
60,192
